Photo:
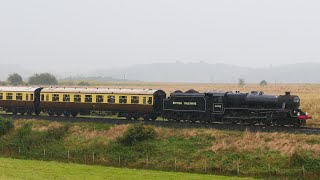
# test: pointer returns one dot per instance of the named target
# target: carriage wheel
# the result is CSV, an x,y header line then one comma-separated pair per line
x,y
74,114
66,114
14,111
29,112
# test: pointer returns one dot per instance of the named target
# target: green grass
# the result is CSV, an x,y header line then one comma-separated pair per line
x,y
31,169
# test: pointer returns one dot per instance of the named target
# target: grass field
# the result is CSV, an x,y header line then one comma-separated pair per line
x,y
31,169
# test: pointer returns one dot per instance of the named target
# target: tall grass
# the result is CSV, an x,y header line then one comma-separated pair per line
x,y
191,150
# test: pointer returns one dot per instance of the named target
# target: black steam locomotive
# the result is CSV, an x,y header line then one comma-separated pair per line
x,y
254,107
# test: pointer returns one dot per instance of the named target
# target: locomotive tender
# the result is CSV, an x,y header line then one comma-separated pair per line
x,y
254,107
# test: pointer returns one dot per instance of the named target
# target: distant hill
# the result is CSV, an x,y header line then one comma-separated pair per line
x,y
217,73
96,79
186,72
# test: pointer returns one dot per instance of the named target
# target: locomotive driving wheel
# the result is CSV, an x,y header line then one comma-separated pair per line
x,y
268,120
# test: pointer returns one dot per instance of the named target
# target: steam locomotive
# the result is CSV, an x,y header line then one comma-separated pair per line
x,y
254,107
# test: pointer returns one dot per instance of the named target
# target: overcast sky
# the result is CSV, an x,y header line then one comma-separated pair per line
x,y
114,33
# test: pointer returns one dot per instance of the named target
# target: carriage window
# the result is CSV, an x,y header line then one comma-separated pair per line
x,y
88,98
55,97
9,96
150,100
66,97
19,96
134,99
111,99
42,97
144,100
27,97
1,95
99,98
77,98
31,97
123,99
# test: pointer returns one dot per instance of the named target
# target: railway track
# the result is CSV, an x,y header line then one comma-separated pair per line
x,y
219,126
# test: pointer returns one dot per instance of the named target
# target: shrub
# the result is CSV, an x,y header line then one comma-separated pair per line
x,y
263,83
296,159
15,79
241,82
43,79
57,133
28,139
84,83
137,133
5,125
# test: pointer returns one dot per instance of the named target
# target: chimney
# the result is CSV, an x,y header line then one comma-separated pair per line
x,y
288,93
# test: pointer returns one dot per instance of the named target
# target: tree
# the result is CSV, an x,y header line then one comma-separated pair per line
x,y
84,83
241,82
15,79
43,79
263,83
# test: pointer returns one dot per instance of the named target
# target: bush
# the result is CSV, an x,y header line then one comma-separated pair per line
x,y
57,133
15,79
28,139
241,82
137,133
43,79
263,83
5,125
83,83
297,159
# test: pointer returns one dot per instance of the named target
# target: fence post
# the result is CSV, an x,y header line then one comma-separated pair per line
x,y
44,153
68,156
205,165
238,168
93,158
19,150
175,164
147,161
119,161
303,171
269,169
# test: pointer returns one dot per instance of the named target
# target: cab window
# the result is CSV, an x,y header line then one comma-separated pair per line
x,y
66,97
42,97
88,98
99,99
31,97
9,96
77,98
123,99
111,99
55,97
150,100
27,97
1,95
134,99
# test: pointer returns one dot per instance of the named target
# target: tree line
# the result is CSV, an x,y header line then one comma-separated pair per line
x,y
36,79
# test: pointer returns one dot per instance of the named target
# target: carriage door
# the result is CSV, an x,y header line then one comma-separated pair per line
x,y
218,104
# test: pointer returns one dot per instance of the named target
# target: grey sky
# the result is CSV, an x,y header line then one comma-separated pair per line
x,y
105,34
